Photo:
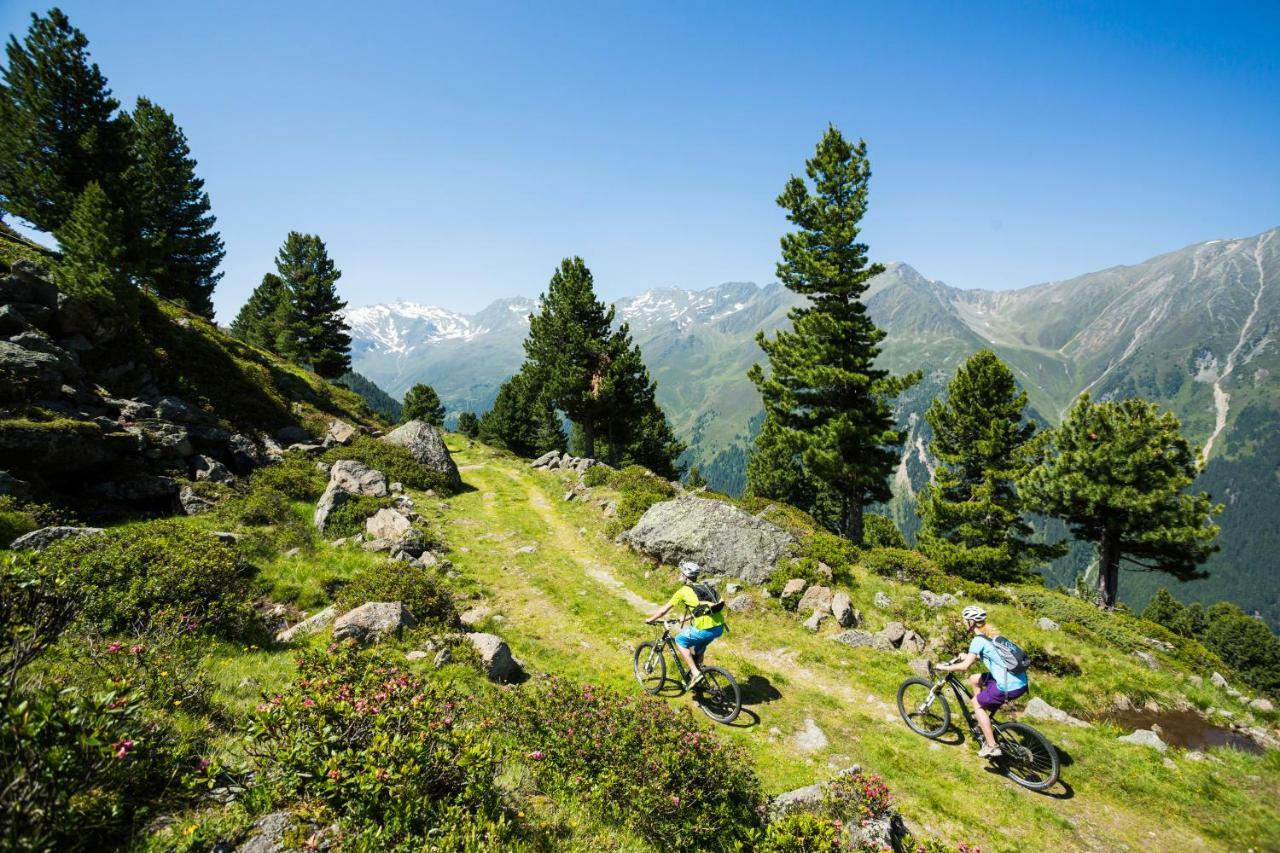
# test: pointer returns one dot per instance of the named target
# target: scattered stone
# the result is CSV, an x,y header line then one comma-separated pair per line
x,y
332,498
474,616
920,666
417,654
310,625
741,603
226,537
1159,645
806,799
1145,737
864,639
882,601
1196,755
396,488
38,540
814,622
192,503
1195,680
894,632
1046,624
341,432
1169,764
810,738
245,454
443,656
817,598
731,588
268,834
527,549
372,621
714,533
912,642
546,459
842,610
1148,659
208,468
1261,704
1038,709
1217,680
933,599
424,442
387,524
495,657
377,546
793,588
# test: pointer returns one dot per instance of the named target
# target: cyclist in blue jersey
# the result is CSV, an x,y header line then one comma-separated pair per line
x,y
998,685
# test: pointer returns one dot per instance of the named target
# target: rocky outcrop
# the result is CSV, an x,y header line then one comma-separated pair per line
x,y
556,461
38,540
424,442
715,534
358,478
372,621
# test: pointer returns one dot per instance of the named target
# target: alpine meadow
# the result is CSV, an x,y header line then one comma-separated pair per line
x,y
375,476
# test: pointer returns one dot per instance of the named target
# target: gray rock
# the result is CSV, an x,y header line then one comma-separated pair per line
x,y
527,549
811,738
208,468
816,598
741,604
814,622
192,503
144,488
1145,737
912,642
268,834
1217,680
806,799
387,524
894,632
864,639
1195,680
793,588
132,410
842,610
1195,755
495,657
1159,645
175,409
28,374
427,446
732,588
246,455
372,621
417,654
311,625
546,459
332,498
444,656
472,617
396,488
38,540
882,601
358,478
712,533
1038,709
1046,624
162,439
11,486
933,599
377,546
1148,659
341,432
1261,704
920,666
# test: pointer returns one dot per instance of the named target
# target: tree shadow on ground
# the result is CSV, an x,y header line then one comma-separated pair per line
x,y
757,690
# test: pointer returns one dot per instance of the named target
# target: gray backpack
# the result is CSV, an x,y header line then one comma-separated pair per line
x,y
1011,655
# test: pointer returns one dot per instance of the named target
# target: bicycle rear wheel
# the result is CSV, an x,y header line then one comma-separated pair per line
x,y
926,712
650,666
717,695
1028,757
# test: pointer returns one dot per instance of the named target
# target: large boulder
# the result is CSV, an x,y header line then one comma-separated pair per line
x,y
38,540
495,657
724,538
28,374
424,442
340,432
358,478
372,621
815,598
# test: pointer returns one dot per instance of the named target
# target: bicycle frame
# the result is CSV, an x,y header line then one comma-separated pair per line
x,y
668,640
964,699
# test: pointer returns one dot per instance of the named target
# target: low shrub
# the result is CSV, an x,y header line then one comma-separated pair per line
x,y
635,761
422,590
880,531
837,552
295,477
900,564
596,475
394,461
15,520
968,589
131,576
638,490
1044,660
399,762
257,508
349,517
803,832
857,798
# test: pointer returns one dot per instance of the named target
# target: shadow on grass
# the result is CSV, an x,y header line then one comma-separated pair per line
x,y
757,690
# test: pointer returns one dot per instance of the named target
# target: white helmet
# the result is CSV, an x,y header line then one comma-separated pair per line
x,y
690,569
974,614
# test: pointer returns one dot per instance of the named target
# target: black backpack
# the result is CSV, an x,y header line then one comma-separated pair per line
x,y
1011,654
708,599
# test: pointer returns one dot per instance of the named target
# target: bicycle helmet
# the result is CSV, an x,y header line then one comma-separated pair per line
x,y
974,614
690,570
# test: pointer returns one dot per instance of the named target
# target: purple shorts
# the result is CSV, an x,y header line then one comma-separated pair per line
x,y
991,697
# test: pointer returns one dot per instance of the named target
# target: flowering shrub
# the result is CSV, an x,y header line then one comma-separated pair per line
x,y
802,832
857,798
392,757
161,664
634,761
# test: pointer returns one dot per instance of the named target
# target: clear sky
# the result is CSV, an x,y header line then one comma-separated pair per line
x,y
453,153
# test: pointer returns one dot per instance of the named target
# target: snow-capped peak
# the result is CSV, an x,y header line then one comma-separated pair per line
x,y
403,325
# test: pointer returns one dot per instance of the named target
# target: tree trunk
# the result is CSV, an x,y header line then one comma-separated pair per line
x,y
852,520
588,438
1109,569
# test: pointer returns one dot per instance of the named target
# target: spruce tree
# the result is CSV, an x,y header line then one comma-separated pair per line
x,y
1163,609
823,389
260,321
176,251
469,424
1115,472
422,403
523,419
774,470
548,429
93,253
314,333
58,131
972,515
569,348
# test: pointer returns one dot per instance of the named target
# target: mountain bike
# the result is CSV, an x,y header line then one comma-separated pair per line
x,y
716,694
1028,757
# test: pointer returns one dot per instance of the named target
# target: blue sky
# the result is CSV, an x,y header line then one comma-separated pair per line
x,y
452,154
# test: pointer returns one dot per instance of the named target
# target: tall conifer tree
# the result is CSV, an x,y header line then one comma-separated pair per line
x,y
93,252
261,318
177,251
972,515
314,332
1115,472
58,129
823,390
422,403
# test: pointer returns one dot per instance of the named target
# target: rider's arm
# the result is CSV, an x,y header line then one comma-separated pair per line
x,y
961,664
658,614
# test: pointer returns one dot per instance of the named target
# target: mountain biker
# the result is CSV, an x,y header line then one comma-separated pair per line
x,y
993,688
702,603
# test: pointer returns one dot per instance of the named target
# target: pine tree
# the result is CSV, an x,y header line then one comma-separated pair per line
x,y
548,429
774,470
260,321
823,390
973,524
177,251
93,253
58,132
314,333
569,347
652,443
1115,473
469,424
422,403
1163,609
636,429
1191,622
695,480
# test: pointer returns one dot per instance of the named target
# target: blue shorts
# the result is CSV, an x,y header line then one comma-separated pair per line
x,y
697,639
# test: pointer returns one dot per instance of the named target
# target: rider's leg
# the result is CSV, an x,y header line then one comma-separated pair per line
x,y
984,722
687,656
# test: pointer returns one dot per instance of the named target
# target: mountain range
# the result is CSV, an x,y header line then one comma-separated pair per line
x,y
1194,330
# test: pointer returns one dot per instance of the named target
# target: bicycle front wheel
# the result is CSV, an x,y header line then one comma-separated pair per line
x,y
1027,756
926,712
650,666
718,695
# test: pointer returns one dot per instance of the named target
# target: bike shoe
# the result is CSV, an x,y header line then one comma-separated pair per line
x,y
990,752
695,681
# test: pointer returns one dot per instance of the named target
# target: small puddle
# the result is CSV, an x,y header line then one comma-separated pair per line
x,y
1185,729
